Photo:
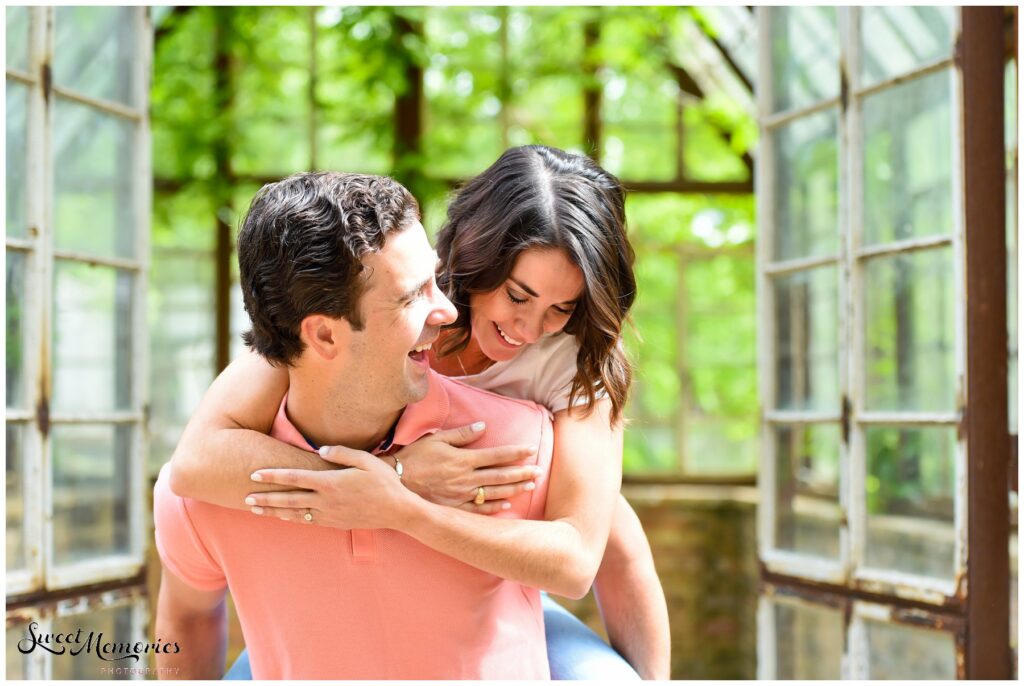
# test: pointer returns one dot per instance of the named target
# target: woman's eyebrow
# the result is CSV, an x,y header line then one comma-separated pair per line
x,y
522,285
532,292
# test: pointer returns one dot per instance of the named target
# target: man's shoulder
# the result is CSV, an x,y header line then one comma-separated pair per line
x,y
464,393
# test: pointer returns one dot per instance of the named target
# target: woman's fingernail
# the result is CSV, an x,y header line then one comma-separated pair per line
x,y
257,510
529,486
250,501
256,476
479,426
323,450
506,506
537,471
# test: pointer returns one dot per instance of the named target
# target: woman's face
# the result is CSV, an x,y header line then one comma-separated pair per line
x,y
537,298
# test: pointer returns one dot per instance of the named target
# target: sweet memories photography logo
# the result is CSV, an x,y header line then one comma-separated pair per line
x,y
93,644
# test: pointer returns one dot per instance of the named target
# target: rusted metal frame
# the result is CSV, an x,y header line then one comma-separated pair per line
x,y
981,61
126,564
919,72
126,417
765,299
108,106
949,608
591,89
38,288
49,600
21,245
790,563
904,246
662,479
777,119
20,76
800,417
908,418
800,264
224,92
124,264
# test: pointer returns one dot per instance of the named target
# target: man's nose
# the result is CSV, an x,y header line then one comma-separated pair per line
x,y
444,311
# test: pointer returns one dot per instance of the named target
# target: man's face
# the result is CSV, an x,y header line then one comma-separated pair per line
x,y
403,311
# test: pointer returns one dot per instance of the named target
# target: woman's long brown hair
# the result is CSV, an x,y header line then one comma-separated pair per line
x,y
539,197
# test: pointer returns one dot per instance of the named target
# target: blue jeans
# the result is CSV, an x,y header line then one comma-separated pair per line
x,y
574,651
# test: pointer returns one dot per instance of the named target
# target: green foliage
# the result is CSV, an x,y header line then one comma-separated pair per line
x,y
232,98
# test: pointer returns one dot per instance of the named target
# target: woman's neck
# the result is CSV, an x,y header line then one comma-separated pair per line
x,y
470,360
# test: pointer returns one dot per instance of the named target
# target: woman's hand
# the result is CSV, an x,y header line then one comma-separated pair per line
x,y
369,495
439,469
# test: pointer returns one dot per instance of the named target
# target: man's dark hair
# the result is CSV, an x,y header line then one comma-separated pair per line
x,y
300,251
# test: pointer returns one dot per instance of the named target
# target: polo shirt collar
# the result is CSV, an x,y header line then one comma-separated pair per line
x,y
420,418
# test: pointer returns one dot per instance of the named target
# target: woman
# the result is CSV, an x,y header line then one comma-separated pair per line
x,y
535,257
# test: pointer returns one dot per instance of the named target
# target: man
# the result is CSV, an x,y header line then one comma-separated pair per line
x,y
338,278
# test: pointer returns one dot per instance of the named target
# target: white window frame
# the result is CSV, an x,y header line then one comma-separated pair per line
x,y
41,575
849,569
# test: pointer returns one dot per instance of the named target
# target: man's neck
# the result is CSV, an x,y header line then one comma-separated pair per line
x,y
328,418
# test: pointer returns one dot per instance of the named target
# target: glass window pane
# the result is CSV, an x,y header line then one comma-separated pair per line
x,y
15,496
807,489
17,158
807,340
116,626
806,187
16,395
897,40
91,471
910,339
808,641
92,339
18,21
181,335
905,652
805,56
96,52
93,203
911,487
908,161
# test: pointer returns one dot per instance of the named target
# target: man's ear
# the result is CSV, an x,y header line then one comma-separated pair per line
x,y
324,335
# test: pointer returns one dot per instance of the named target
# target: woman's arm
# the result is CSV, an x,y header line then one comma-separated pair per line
x,y
631,599
226,439
561,554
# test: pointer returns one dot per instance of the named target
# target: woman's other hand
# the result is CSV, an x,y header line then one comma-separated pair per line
x,y
440,469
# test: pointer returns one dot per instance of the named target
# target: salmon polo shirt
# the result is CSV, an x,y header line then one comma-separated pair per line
x,y
322,603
